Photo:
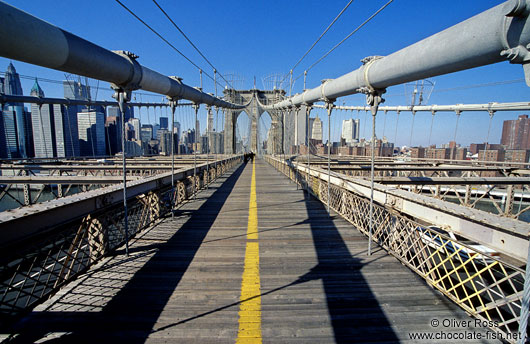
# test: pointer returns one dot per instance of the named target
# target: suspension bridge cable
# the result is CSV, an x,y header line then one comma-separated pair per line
x,y
321,35
190,42
162,37
345,38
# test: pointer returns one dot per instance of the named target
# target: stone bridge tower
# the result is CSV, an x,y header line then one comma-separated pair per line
x,y
253,99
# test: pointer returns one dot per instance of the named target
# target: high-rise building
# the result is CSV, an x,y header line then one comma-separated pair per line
x,y
317,129
12,85
164,138
310,127
10,136
146,132
164,123
516,133
135,122
76,90
43,131
209,122
16,134
91,129
198,128
43,123
156,128
113,134
54,129
350,131
115,112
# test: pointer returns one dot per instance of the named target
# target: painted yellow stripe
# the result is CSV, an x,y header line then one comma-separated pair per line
x,y
250,300
252,229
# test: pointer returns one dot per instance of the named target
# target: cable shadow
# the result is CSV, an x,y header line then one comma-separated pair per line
x,y
348,294
131,313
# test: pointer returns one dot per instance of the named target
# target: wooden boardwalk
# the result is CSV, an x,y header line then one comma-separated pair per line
x,y
182,282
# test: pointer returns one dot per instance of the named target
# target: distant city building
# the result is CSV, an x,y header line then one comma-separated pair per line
x,y
198,128
135,122
438,153
204,144
156,128
113,135
350,130
474,148
133,148
91,130
54,129
16,134
43,123
516,133
146,133
115,112
517,155
164,138
209,122
317,129
164,123
216,141
491,155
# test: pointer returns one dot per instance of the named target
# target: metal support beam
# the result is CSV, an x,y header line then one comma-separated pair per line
x,y
499,34
32,40
514,106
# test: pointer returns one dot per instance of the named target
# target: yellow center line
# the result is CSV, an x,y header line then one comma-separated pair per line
x,y
250,300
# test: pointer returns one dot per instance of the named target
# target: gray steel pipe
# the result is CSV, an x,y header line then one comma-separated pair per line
x,y
475,42
32,40
515,106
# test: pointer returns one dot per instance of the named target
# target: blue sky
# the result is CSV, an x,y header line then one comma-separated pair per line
x,y
257,38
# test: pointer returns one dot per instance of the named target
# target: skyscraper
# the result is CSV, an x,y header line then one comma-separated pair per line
x,y
76,90
516,133
317,129
209,122
91,129
113,134
115,111
12,85
146,132
43,126
17,134
164,123
135,122
54,129
350,130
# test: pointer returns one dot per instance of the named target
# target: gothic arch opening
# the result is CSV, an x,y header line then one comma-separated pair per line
x,y
266,135
243,125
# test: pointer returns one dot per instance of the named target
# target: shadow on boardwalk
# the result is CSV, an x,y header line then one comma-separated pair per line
x,y
131,313
355,313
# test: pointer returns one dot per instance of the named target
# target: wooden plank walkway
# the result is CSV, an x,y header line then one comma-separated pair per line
x,y
182,281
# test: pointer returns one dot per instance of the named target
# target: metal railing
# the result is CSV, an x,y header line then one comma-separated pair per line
x,y
484,286
34,266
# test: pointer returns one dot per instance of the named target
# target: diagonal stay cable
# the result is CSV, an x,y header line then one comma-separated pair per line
x,y
190,42
162,38
345,38
320,37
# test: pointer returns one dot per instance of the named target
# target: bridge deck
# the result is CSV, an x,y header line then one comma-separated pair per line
x,y
182,282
